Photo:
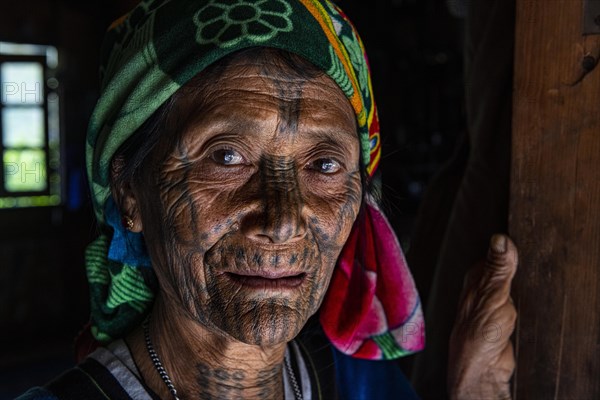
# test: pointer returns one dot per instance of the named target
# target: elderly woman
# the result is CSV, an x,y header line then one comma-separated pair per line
x,y
232,158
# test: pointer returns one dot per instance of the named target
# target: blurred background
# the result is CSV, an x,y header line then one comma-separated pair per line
x,y
415,49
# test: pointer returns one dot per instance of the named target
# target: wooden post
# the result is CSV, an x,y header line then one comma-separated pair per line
x,y
555,202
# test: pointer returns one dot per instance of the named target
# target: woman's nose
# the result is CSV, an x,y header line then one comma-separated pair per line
x,y
279,218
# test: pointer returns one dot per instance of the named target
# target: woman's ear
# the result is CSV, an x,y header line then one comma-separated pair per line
x,y
125,197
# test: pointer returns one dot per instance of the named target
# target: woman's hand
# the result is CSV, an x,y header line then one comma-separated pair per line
x,y
481,359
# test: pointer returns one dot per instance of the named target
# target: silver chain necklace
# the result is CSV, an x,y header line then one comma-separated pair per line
x,y
156,360
165,377
290,371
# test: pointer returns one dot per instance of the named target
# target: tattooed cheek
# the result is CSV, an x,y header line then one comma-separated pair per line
x,y
240,254
316,227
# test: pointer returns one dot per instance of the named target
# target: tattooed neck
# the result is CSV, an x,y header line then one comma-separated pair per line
x,y
205,365
234,383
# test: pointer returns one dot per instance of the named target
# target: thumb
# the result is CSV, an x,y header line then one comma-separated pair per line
x,y
500,265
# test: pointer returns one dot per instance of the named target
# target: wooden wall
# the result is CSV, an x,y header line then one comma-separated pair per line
x,y
555,202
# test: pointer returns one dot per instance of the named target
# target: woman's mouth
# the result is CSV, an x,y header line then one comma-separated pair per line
x,y
267,282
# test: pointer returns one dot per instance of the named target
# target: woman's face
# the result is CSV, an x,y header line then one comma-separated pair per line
x,y
246,211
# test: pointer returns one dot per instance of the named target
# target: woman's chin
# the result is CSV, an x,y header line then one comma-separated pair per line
x,y
266,323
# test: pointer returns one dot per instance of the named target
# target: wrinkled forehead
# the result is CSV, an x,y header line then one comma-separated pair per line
x,y
250,75
274,67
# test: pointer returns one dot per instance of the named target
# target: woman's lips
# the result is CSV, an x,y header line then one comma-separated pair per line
x,y
266,282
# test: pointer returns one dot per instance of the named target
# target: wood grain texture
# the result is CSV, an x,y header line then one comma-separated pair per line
x,y
555,202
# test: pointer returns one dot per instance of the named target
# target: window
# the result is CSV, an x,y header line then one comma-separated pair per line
x,y
29,126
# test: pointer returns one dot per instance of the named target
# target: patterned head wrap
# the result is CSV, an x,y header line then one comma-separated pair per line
x,y
152,52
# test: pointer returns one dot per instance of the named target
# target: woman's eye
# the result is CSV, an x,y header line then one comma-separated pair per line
x,y
227,157
325,166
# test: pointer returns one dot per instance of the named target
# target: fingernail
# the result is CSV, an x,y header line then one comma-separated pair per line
x,y
498,244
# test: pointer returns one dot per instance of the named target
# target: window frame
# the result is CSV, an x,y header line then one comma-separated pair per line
x,y
52,173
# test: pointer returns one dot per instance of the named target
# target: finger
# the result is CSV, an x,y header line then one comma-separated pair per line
x,y
491,323
474,275
507,316
503,320
505,369
506,363
471,284
500,269
507,359
502,257
487,284
499,265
